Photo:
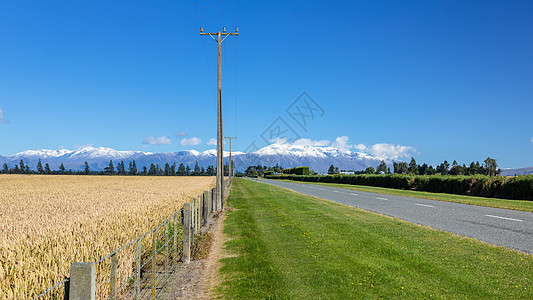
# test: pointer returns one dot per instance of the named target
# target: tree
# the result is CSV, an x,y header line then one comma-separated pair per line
x,y
400,168
226,169
173,169
210,171
145,171
16,169
133,168
196,171
187,170
122,168
153,169
40,167
457,169
443,168
413,167
110,170
382,167
86,170
119,169
167,169
181,170
370,170
47,169
422,170
62,168
331,169
491,167
22,166
5,169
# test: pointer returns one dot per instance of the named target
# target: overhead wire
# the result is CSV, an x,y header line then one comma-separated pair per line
x,y
224,68
213,92
236,58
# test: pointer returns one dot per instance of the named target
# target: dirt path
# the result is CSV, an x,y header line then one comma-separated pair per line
x,y
198,279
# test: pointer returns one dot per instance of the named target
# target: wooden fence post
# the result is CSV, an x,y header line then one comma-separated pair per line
x,y
82,281
138,270
186,257
113,277
167,242
154,258
175,248
206,208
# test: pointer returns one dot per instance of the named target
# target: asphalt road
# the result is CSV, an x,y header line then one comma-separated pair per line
x,y
503,227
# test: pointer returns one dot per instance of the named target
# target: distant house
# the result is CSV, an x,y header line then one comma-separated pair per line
x,y
347,172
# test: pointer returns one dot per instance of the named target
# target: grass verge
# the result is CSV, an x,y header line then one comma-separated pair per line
x,y
283,244
523,205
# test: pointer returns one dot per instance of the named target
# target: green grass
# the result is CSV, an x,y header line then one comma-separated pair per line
x,y
523,205
285,245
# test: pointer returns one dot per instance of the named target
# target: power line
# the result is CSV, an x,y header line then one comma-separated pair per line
x,y
205,53
222,13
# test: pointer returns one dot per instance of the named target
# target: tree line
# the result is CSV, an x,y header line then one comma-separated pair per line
x,y
489,167
254,171
119,169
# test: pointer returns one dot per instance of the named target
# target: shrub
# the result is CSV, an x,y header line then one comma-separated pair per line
x,y
520,187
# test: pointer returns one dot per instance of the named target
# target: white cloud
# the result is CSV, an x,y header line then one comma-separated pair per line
x,y
181,134
191,142
2,118
532,139
213,142
341,144
300,142
162,140
390,151
360,147
83,146
309,142
381,150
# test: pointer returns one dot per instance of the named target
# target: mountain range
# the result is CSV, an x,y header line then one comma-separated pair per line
x,y
318,158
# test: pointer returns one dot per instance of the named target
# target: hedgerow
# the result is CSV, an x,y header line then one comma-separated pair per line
x,y
519,187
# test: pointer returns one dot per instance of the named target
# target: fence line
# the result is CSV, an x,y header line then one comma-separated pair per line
x,y
141,268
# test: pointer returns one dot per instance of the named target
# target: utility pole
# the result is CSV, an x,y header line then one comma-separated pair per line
x,y
230,168
217,37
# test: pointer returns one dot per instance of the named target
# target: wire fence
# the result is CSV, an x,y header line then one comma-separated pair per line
x,y
141,269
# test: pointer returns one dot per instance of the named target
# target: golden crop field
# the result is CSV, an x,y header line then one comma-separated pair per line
x,y
47,222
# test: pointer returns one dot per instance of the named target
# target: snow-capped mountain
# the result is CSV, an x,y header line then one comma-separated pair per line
x,y
318,158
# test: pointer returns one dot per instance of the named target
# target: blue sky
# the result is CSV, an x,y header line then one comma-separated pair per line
x,y
439,80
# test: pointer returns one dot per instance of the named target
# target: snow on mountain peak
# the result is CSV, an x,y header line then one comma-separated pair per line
x,y
300,150
44,153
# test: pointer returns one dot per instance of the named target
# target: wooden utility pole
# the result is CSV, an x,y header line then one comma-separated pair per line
x,y
230,168
217,36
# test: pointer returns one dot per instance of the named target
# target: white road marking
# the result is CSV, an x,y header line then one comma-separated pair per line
x,y
382,199
504,218
335,191
424,205
321,189
354,194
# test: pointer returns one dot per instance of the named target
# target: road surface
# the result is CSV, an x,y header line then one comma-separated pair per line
x,y
503,227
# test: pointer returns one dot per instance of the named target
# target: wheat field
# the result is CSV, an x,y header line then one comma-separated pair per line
x,y
47,222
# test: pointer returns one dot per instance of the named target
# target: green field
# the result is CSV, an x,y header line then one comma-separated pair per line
x,y
287,245
523,205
